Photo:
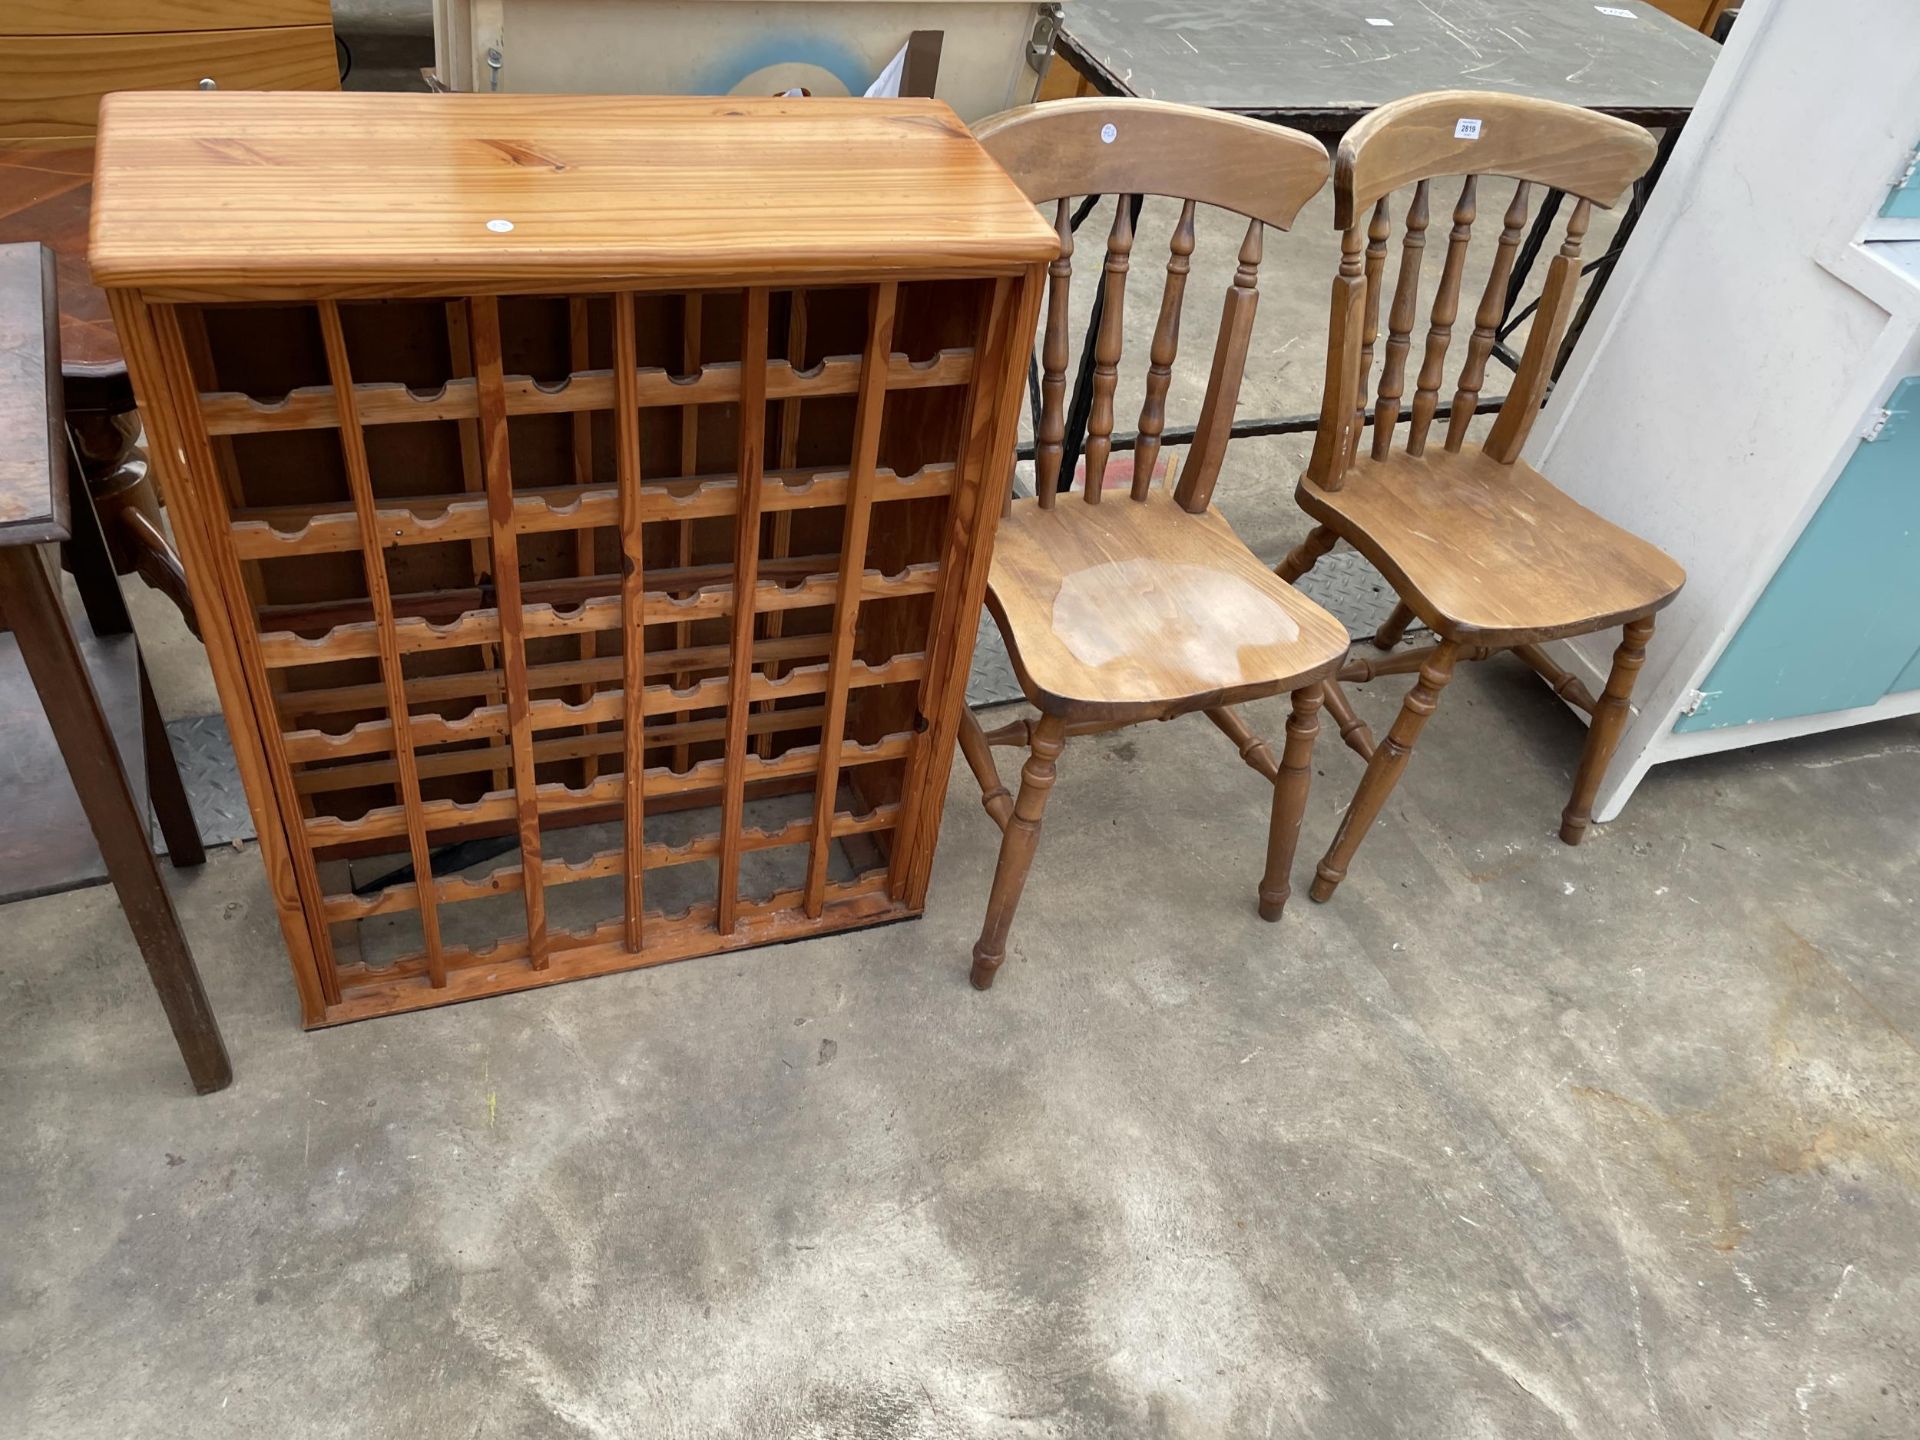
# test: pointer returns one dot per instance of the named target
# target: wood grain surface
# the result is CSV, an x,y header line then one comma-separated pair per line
x,y
1564,146
1493,553
112,17
300,195
1144,609
33,492
1103,147
45,191
54,82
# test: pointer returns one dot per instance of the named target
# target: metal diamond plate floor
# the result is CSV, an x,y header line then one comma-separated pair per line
x,y
205,756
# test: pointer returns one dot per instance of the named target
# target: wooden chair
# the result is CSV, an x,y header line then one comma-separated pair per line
x,y
1477,544
1121,609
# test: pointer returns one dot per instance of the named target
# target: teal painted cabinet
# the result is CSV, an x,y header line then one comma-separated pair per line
x,y
1838,626
1903,202
1909,678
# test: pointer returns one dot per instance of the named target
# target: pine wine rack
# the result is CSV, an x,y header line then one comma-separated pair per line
x,y
586,503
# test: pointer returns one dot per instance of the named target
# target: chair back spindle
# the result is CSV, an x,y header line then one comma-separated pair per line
x,y
1379,230
1166,346
1215,427
1446,306
1406,299
1346,356
1107,347
1516,417
1050,428
1486,321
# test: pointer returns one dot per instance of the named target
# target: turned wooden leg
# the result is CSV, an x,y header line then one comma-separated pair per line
x,y
1354,733
1603,735
1016,849
1394,627
1290,801
1384,769
979,755
1306,554
1563,683
1255,751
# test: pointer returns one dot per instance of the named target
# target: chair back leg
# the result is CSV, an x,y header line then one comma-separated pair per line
x,y
1394,628
1306,554
1385,768
1603,735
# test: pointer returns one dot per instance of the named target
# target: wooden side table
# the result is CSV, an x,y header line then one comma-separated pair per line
x,y
36,510
46,194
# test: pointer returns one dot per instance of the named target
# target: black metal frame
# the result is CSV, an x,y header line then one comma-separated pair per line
x,y
1328,126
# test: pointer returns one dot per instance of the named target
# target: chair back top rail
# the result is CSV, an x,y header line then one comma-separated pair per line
x,y
1478,132
1101,146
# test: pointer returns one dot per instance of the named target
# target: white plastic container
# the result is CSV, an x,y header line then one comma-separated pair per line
x,y
992,51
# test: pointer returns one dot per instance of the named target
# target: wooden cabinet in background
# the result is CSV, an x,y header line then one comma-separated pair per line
x,y
987,55
587,503
1700,14
61,57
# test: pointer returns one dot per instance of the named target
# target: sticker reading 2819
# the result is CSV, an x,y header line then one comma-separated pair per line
x,y
1466,130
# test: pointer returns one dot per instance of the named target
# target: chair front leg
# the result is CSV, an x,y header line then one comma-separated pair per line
x,y
1016,849
1306,554
1290,801
1384,769
1603,735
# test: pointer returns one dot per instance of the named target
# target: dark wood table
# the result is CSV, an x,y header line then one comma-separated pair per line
x,y
38,509
1320,65
46,195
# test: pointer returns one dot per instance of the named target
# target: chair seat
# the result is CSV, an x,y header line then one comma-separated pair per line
x,y
1490,552
1135,609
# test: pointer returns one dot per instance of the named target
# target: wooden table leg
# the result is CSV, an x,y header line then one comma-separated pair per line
x,y
166,791
92,567
47,645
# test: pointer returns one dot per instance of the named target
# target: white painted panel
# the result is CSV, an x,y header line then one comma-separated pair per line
x,y
1727,370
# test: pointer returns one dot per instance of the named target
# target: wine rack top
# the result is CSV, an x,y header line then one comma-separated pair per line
x,y
286,196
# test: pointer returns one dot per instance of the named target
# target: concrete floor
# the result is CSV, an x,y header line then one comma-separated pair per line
x,y
1508,1140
